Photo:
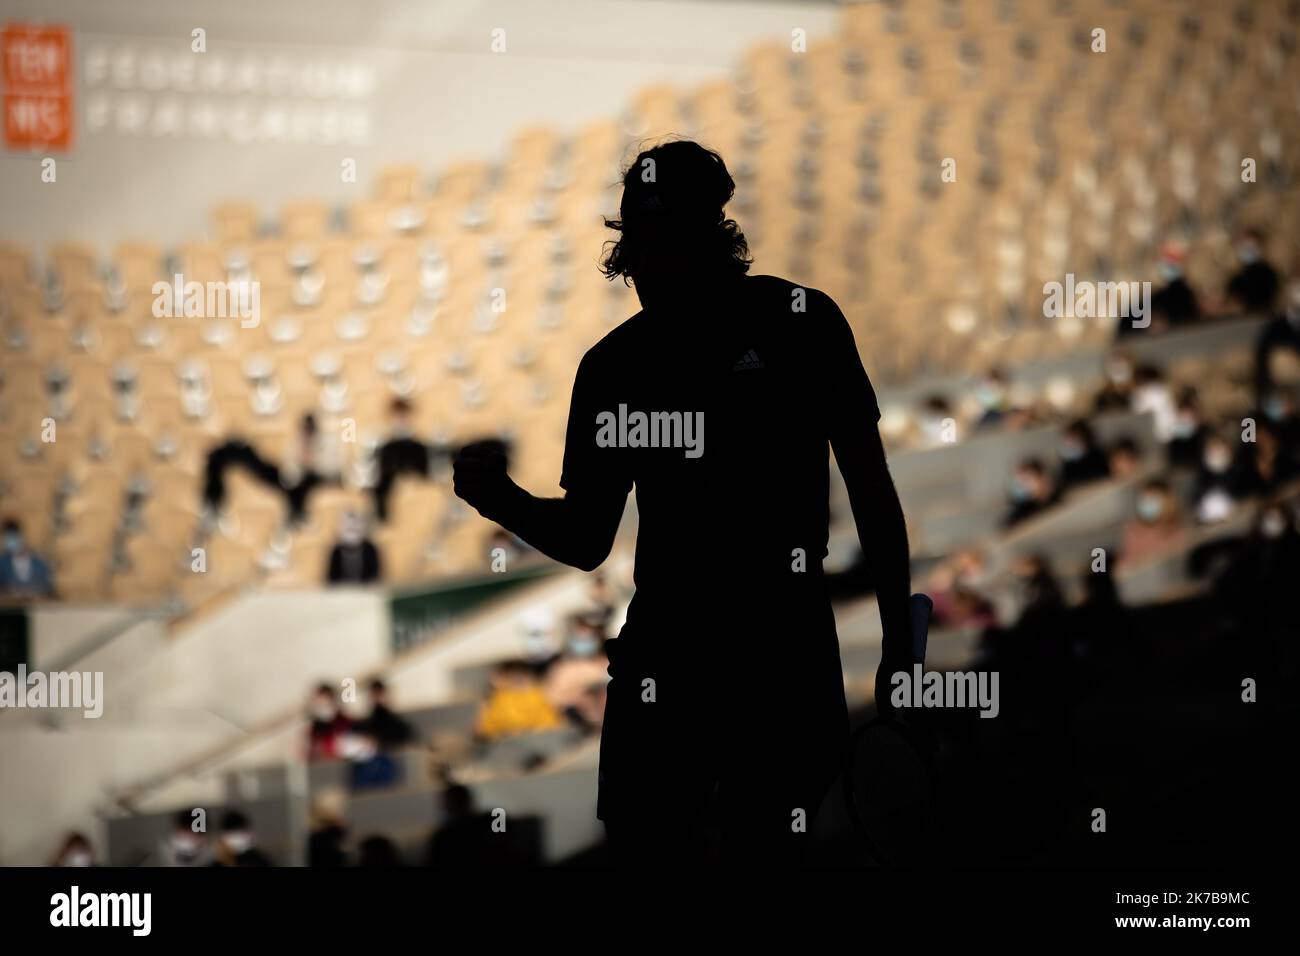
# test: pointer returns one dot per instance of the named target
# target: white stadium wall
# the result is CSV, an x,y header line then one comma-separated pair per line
x,y
286,91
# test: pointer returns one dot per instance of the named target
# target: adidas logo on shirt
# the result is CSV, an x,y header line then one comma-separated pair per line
x,y
749,360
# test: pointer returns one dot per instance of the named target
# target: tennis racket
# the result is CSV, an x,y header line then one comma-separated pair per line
x,y
889,780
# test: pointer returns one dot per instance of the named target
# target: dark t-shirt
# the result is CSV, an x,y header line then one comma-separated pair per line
x,y
753,374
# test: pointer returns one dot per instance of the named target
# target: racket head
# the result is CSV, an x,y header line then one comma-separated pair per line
x,y
892,793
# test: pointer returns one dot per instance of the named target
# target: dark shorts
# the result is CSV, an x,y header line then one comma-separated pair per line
x,y
741,725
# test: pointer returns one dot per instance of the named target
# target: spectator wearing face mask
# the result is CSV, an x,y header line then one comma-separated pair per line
x,y
1253,288
1217,484
354,559
575,683
1189,432
936,424
185,846
23,572
1155,526
1082,459
235,845
328,725
75,852
1032,491
993,398
1282,333
1279,407
1174,303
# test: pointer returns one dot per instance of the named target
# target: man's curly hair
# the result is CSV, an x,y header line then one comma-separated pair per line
x,y
673,200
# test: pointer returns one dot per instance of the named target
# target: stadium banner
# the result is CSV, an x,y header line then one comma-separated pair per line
x,y
419,614
37,70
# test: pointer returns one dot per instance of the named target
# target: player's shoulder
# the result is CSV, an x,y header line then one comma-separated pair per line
x,y
798,298
623,339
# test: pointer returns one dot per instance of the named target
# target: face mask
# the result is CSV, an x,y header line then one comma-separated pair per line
x,y
185,845
13,542
1169,272
582,647
1184,427
323,712
238,842
1149,507
989,396
77,858
1275,409
1248,254
1273,525
1071,451
1020,491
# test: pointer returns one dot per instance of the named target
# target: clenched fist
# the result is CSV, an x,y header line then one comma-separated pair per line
x,y
479,477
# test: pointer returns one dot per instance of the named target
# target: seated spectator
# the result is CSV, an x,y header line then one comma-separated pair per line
x,y
185,846
1032,491
1082,459
1189,432
1254,287
388,728
329,830
328,725
235,844
23,572
575,683
1117,392
1174,304
516,704
1218,485
936,423
994,398
354,559
1281,333
1265,464
1156,525
1279,407
76,851
1123,458
1265,568
1152,395
401,454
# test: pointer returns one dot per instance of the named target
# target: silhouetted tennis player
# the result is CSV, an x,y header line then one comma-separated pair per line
x,y
717,401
